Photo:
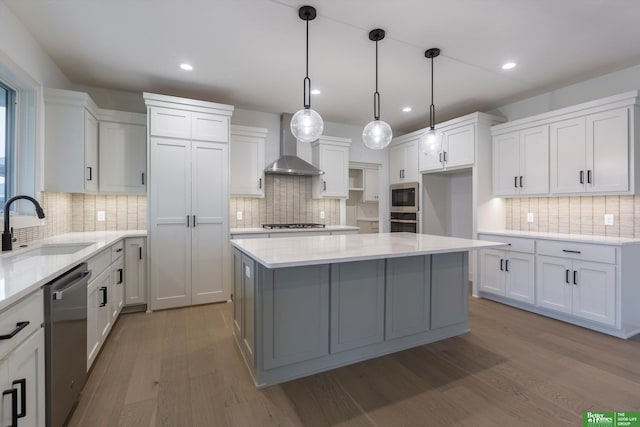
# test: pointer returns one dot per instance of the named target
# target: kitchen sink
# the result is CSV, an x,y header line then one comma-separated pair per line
x,y
49,249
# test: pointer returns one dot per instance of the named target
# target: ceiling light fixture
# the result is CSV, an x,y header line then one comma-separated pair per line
x,y
508,65
186,67
377,134
315,92
306,124
407,109
431,137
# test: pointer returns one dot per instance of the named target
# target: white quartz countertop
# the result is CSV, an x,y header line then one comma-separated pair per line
x,y
258,230
311,250
581,238
21,274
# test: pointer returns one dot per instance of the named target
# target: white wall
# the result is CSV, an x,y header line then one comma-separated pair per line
x,y
588,90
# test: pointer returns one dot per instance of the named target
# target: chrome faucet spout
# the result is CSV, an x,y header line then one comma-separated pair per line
x,y
7,234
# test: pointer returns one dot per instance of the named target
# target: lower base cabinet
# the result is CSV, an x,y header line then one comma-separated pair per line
x,y
408,296
508,274
135,288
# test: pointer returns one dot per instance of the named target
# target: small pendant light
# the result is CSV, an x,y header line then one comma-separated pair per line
x,y
430,141
306,124
377,134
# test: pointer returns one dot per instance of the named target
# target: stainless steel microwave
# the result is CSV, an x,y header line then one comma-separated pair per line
x,y
405,197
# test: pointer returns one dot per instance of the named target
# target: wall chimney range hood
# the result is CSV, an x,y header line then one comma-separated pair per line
x,y
289,163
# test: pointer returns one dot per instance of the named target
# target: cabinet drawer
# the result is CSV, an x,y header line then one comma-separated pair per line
x,y
209,127
99,263
169,122
117,249
30,309
579,251
516,244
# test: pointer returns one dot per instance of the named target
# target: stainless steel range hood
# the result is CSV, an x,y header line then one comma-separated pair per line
x,y
289,163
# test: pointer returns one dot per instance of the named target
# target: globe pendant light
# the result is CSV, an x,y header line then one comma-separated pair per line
x,y
430,141
377,134
306,124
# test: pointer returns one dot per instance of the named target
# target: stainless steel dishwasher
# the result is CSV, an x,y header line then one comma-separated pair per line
x,y
65,332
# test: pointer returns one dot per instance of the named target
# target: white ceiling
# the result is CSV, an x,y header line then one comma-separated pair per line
x,y
250,53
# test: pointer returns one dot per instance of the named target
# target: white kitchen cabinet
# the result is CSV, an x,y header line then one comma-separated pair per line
x,y
99,314
70,142
135,288
591,154
123,157
371,186
188,202
455,149
403,160
247,161
331,155
521,162
117,288
22,377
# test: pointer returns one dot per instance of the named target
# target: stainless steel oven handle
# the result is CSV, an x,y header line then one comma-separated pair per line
x,y
405,221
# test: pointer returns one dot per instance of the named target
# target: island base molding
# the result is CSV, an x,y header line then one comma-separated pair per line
x,y
297,321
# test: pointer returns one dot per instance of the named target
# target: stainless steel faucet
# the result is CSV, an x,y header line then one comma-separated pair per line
x,y
7,234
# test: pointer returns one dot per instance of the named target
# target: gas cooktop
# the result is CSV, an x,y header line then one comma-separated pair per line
x,y
297,225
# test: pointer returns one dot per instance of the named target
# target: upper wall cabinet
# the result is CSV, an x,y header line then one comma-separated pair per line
x,y
521,162
91,150
456,149
70,142
403,160
194,125
332,156
247,161
591,150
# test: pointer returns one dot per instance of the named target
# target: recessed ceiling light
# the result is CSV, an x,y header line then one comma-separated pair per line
x,y
186,67
406,109
508,65
315,92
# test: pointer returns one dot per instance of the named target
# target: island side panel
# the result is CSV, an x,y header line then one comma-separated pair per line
x,y
449,289
248,307
295,314
408,296
357,304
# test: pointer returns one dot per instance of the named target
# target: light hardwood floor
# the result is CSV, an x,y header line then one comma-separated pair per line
x,y
181,368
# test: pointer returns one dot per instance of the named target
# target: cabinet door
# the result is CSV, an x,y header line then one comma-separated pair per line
x,y
534,161
237,293
408,296
170,123
370,185
135,284
209,227
506,164
449,289
594,292
25,367
520,277
459,147
334,161
93,335
248,306
209,127
357,304
117,288
396,163
90,152
608,151
123,158
247,166
295,314
105,313
553,287
492,272
169,223
567,157
430,153
411,172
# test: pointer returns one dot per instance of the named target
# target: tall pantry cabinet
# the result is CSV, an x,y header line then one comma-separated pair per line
x,y
188,198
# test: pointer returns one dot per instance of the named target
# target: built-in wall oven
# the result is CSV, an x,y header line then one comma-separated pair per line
x,y
404,222
405,197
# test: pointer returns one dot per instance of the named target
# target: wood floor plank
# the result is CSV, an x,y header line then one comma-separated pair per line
x,y
182,368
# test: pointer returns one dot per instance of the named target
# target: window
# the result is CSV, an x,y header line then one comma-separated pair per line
x,y
7,141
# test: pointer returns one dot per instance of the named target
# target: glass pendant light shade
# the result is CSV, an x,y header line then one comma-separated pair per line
x,y
377,135
307,125
430,142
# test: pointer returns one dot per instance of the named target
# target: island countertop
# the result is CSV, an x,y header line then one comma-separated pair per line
x,y
314,250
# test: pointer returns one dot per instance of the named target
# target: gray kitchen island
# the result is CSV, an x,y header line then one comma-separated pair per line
x,y
304,305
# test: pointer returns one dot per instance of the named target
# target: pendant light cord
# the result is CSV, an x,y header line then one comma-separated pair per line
x,y
307,81
432,108
376,95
